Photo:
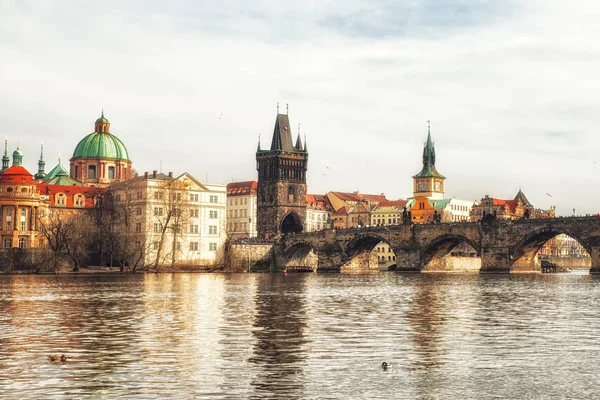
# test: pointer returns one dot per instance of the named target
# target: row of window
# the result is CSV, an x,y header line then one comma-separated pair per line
x,y
242,202
8,243
389,258
235,214
193,228
382,249
194,212
194,246
178,196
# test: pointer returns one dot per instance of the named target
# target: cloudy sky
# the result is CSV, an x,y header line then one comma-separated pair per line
x,y
512,89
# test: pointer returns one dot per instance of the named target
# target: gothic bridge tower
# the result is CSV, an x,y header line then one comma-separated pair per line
x,y
429,182
281,193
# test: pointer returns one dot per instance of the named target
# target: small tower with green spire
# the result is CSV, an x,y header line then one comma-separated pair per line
x,y
5,158
17,157
41,165
429,182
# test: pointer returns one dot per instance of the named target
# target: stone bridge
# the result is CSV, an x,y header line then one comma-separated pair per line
x,y
503,246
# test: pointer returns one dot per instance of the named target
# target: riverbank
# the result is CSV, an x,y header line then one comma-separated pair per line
x,y
91,270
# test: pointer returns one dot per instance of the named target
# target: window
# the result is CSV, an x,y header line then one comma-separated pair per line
x,y
158,195
138,195
22,243
8,220
212,230
212,247
156,227
7,242
177,196
118,197
23,224
214,199
194,228
138,211
236,201
76,172
194,212
213,215
177,212
111,172
156,245
91,172
78,200
291,194
61,199
193,196
158,211
246,201
194,246
138,227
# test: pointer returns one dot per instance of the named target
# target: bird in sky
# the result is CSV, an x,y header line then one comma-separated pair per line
x,y
548,194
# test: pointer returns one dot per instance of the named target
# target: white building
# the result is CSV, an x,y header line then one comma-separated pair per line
x,y
178,220
318,213
457,210
241,209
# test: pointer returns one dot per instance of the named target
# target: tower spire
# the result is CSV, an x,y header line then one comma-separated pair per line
x,y
277,107
258,148
5,158
41,174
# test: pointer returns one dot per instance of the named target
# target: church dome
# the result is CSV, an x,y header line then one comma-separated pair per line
x,y
101,144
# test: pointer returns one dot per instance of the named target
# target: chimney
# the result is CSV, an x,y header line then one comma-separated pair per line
x,y
154,173
170,174
146,175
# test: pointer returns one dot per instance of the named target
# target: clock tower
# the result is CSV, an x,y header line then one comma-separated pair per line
x,y
429,182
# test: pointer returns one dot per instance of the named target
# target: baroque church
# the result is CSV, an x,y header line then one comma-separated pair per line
x,y
99,160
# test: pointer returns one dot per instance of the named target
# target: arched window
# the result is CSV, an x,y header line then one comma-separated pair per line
x,y
111,172
292,194
91,172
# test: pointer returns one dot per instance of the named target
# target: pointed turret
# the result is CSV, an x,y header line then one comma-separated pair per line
x,y
521,196
282,135
428,158
5,158
299,143
41,165
258,147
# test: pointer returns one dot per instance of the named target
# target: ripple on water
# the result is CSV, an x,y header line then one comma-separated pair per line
x,y
300,336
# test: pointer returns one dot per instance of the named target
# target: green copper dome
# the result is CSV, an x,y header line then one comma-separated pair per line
x,y
101,145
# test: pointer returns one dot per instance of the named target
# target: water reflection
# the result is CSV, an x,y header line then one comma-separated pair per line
x,y
302,336
279,326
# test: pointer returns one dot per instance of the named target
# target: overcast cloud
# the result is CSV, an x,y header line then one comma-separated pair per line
x,y
511,89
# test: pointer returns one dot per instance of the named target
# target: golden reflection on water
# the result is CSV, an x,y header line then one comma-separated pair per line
x,y
299,336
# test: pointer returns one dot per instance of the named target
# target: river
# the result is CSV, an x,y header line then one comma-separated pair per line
x,y
301,336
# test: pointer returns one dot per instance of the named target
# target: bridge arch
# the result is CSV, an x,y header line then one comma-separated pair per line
x,y
300,255
443,245
523,253
363,253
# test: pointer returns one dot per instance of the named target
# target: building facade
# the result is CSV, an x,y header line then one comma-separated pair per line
x,y
176,220
241,209
281,187
318,213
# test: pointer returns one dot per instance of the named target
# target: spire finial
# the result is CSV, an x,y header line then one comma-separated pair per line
x,y
428,127
59,158
287,109
42,151
102,112
298,129
277,107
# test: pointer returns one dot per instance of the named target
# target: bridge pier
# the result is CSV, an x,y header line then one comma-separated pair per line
x,y
330,259
595,255
495,261
408,261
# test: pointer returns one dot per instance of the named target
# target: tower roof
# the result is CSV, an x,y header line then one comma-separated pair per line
x,y
520,195
429,170
282,135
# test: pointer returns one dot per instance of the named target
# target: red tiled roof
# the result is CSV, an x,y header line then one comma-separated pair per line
x,y
317,202
393,203
17,174
242,188
371,198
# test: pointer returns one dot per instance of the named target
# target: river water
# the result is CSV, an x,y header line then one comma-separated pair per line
x,y
301,336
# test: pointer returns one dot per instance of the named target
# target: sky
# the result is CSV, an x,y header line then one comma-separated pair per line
x,y
512,89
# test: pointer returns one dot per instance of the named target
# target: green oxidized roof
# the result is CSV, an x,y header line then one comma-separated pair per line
x,y
101,145
55,171
429,170
61,177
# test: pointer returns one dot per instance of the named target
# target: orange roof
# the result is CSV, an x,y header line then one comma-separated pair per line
x,y
241,188
318,202
371,198
498,202
393,203
16,174
343,210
